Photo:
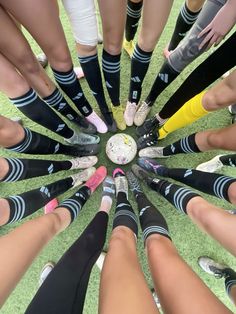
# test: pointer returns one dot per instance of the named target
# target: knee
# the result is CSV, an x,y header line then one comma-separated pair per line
x,y
28,64
198,212
60,59
86,50
112,46
214,140
147,41
121,237
210,101
232,193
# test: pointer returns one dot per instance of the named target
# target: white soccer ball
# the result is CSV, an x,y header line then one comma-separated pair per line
x,y
121,148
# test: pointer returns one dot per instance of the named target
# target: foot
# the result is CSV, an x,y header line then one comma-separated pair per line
x,y
151,165
79,72
152,152
118,115
121,182
97,178
211,267
47,268
129,114
82,176
84,125
128,46
50,206
83,162
85,150
133,183
148,139
42,59
140,173
83,139
142,113
108,187
211,165
98,122
149,125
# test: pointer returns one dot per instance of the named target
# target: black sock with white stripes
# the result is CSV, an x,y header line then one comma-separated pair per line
x,y
37,110
124,214
134,11
210,183
151,220
177,195
57,101
230,279
228,160
21,169
75,203
139,66
184,145
29,202
111,72
185,20
70,85
165,76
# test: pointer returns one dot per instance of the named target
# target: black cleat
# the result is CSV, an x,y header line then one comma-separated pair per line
x,y
83,150
84,125
147,140
149,125
133,183
140,173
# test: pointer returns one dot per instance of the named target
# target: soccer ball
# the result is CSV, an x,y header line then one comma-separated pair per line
x,y
121,149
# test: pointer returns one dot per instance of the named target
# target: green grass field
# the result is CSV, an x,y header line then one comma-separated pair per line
x,y
190,242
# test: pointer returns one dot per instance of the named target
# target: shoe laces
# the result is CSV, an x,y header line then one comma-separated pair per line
x,y
143,108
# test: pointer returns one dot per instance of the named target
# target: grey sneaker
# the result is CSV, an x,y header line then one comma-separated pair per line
x,y
133,183
156,299
47,268
152,152
83,139
140,173
108,187
211,267
142,113
120,181
82,176
211,165
83,162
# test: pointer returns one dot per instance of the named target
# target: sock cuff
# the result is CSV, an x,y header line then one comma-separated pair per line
x,y
155,230
221,186
126,218
54,99
65,78
188,144
134,9
87,59
16,169
112,58
24,144
24,99
229,283
141,55
188,16
196,105
17,208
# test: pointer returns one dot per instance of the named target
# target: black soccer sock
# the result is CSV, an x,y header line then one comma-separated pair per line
x,y
166,75
75,203
29,202
57,101
70,85
185,20
111,72
177,195
210,183
139,65
124,214
134,11
37,110
185,145
151,220
21,169
230,279
228,160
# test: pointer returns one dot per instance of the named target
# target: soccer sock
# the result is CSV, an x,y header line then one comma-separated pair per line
x,y
229,160
185,145
29,202
151,220
210,183
191,111
59,103
37,110
69,83
111,71
134,11
21,169
230,279
165,76
177,195
139,66
185,20
124,214
75,203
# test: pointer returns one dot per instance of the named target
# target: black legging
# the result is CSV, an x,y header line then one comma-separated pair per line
x,y
64,290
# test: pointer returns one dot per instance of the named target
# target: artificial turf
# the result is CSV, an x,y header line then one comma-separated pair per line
x,y
189,240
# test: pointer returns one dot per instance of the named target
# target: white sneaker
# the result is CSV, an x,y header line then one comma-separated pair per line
x,y
82,176
211,165
100,260
83,162
152,152
211,267
129,113
141,113
47,268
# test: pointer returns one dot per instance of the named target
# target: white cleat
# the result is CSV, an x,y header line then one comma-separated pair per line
x,y
129,113
211,165
82,176
152,152
83,162
141,113
100,260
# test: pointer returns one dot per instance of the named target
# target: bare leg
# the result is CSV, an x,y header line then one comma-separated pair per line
x,y
233,294
11,133
195,5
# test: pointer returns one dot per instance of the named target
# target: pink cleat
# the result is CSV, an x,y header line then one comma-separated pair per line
x,y
98,122
79,72
93,182
50,206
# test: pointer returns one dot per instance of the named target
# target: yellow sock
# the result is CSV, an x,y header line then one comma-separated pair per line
x,y
191,111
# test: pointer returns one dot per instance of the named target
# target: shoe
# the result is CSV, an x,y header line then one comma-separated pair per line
x,y
142,113
133,183
47,268
17,120
232,109
83,162
150,165
84,125
108,187
156,299
211,165
233,119
98,122
118,115
42,59
211,267
97,178
129,114
148,126
79,72
50,206
121,182
83,139
140,173
148,139
83,150
152,152
100,260
128,46
82,176
100,39
110,122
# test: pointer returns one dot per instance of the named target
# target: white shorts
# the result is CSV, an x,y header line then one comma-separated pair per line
x,y
82,17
